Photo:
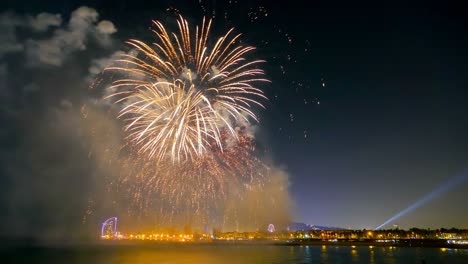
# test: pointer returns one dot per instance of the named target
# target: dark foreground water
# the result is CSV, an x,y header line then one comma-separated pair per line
x,y
226,253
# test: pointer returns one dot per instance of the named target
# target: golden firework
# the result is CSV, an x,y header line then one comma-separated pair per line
x,y
180,93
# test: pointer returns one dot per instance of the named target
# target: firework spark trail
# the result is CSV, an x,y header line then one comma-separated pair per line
x,y
194,189
167,178
186,107
184,93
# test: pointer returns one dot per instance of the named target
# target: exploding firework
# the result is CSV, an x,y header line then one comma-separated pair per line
x,y
182,94
187,107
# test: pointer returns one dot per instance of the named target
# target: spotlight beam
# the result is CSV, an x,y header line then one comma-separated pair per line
x,y
453,182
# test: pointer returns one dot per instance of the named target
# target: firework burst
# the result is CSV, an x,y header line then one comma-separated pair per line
x,y
187,102
182,94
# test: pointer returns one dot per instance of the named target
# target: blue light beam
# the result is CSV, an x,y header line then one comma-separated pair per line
x,y
436,192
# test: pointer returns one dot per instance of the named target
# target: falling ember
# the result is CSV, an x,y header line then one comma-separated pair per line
x,y
180,93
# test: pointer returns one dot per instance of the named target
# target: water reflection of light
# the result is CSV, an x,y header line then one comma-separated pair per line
x,y
308,254
372,255
324,255
354,255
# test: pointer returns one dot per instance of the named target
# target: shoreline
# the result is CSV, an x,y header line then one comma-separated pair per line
x,y
422,243
403,243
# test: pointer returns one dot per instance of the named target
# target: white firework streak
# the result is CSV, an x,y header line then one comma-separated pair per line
x,y
178,107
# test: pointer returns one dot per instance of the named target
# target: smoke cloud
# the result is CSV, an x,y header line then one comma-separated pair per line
x,y
69,39
43,21
49,182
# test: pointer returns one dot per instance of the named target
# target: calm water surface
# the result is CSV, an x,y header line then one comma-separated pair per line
x,y
215,253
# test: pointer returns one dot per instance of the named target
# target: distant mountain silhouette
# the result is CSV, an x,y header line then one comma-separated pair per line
x,y
305,227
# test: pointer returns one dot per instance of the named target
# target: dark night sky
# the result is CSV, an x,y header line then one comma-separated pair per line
x,y
367,106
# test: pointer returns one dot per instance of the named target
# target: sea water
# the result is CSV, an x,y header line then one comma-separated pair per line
x,y
228,253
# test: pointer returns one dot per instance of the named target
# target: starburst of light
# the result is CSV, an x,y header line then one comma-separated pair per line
x,y
180,93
